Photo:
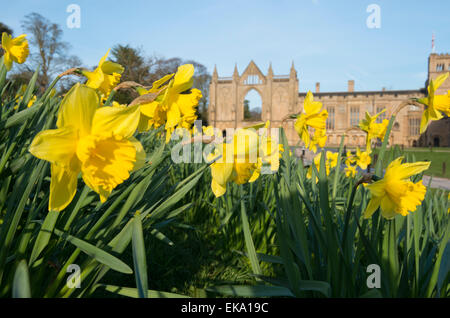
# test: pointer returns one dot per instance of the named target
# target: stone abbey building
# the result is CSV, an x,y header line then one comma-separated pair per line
x,y
280,97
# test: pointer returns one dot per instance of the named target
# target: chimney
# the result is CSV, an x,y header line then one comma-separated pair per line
x,y
351,85
317,87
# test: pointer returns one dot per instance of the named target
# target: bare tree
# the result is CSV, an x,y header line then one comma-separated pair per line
x,y
47,48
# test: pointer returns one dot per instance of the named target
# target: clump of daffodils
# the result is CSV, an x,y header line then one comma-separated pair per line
x,y
15,49
330,162
95,141
396,193
312,117
350,171
20,94
362,158
436,105
350,164
241,160
176,103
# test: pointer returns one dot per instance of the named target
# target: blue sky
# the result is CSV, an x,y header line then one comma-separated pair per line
x,y
328,40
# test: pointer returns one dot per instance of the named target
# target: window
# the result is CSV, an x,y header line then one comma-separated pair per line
x,y
354,116
440,67
330,119
414,126
252,80
381,116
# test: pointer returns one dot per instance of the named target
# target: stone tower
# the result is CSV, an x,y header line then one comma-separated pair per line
x,y
439,64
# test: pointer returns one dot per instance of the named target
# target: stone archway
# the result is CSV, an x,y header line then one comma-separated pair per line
x,y
252,95
279,97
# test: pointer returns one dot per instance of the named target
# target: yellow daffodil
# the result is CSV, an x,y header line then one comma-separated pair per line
x,y
349,158
318,139
181,100
105,77
363,158
176,105
435,103
330,162
31,101
153,115
395,193
332,158
16,50
241,160
350,171
98,142
19,95
311,117
373,129
225,170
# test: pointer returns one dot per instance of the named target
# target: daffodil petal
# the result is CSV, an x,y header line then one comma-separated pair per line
x,y
218,189
173,116
407,170
377,188
183,80
373,205
109,67
140,154
120,120
63,186
55,145
78,108
439,80
221,172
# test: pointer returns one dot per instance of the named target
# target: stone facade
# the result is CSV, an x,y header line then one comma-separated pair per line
x,y
280,97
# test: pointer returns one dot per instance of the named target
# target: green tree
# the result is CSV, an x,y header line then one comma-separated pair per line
x,y
136,69
247,114
5,28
